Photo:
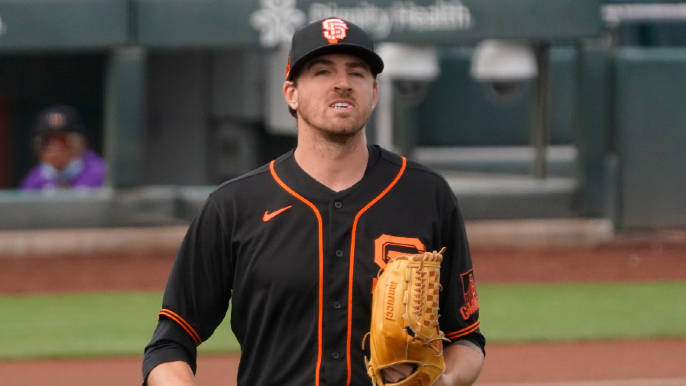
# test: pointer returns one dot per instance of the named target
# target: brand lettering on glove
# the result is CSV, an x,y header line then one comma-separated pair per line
x,y
390,301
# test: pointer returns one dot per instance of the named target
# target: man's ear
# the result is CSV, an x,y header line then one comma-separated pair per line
x,y
290,94
375,94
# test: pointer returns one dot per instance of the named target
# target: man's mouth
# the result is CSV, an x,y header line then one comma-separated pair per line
x,y
342,106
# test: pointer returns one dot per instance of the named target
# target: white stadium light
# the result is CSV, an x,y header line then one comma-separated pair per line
x,y
411,62
404,64
503,61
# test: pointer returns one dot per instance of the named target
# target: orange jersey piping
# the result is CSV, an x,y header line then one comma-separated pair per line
x,y
460,333
181,322
320,232
352,262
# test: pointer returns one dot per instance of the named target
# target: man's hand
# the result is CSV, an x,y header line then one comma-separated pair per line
x,y
397,373
463,363
172,374
463,359
56,152
443,380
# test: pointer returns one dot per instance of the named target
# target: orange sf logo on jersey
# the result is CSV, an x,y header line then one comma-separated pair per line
x,y
388,247
334,30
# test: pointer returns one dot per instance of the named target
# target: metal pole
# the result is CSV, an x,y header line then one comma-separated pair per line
x,y
540,134
125,116
384,113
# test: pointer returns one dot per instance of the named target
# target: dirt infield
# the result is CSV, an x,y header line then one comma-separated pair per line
x,y
619,363
624,258
637,257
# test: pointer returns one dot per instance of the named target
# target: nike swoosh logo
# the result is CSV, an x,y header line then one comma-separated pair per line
x,y
268,216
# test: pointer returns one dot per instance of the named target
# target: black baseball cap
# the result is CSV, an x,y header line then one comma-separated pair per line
x,y
330,35
58,119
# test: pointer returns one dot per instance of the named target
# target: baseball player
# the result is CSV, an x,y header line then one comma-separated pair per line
x,y
296,244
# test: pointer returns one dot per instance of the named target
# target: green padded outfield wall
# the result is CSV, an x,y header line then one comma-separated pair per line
x,y
63,24
593,136
651,137
459,111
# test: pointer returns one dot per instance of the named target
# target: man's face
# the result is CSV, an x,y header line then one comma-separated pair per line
x,y
57,150
335,94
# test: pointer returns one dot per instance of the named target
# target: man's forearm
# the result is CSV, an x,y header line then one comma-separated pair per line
x,y
172,374
463,363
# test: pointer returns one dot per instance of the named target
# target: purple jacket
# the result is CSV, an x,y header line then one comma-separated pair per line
x,y
88,172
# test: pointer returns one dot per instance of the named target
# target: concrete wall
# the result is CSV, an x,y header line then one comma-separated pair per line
x,y
651,137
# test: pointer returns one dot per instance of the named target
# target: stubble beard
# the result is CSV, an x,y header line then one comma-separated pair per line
x,y
337,133
335,130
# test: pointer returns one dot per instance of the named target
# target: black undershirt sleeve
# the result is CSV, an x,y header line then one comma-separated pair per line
x,y
168,344
459,302
198,290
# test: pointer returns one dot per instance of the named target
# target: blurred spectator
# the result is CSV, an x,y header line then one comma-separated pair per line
x,y
65,159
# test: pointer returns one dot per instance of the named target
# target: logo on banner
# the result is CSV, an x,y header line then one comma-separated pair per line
x,y
276,20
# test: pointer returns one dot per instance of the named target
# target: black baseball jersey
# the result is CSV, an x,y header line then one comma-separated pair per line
x,y
299,262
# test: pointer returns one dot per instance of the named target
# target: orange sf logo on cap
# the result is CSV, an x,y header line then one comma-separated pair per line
x,y
334,30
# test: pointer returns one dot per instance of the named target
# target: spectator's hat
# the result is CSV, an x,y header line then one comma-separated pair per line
x,y
58,119
330,35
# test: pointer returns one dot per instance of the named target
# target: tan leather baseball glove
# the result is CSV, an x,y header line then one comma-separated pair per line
x,y
404,329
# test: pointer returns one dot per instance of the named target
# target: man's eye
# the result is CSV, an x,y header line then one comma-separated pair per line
x,y
321,72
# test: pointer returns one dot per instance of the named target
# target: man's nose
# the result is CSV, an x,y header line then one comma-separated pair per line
x,y
342,81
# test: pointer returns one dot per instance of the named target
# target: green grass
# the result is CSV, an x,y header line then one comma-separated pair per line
x,y
84,325
113,324
589,311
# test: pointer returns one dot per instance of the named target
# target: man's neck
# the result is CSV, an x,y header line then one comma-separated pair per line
x,y
336,165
